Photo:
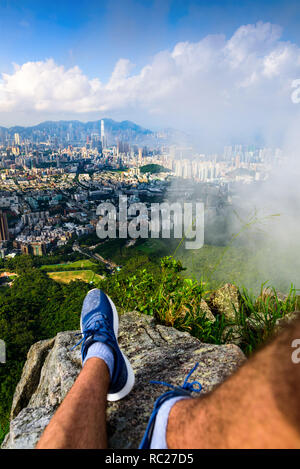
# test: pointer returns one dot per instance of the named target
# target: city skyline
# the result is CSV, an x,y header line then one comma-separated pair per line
x,y
220,73
149,156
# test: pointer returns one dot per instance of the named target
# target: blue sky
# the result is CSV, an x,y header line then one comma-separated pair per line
x,y
223,70
95,34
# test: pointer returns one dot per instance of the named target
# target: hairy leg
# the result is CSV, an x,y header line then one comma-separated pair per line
x,y
80,421
257,407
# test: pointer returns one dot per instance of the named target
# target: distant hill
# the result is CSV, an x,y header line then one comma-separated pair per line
x,y
74,131
153,169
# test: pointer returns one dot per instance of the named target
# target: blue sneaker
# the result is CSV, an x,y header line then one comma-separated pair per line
x,y
185,390
99,322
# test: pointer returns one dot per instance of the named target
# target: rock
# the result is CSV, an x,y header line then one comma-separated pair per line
x,y
204,308
30,375
225,301
259,321
256,322
273,297
267,291
233,334
285,320
156,352
281,296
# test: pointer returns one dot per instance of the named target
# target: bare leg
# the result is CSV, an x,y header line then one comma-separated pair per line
x,y
80,421
257,407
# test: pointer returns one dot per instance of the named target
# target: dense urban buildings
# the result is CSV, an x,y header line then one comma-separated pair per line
x,y
53,176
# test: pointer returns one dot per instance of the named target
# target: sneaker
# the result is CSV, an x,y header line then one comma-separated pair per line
x,y
181,391
99,322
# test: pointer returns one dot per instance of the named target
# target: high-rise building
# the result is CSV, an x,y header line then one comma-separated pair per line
x,y
17,139
140,155
103,138
4,234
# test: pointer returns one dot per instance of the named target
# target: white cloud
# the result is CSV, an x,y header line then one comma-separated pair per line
x,y
211,86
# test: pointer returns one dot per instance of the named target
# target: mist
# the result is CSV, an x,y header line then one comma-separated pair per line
x,y
219,91
258,232
277,202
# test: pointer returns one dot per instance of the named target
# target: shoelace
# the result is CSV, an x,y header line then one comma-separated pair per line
x,y
99,326
195,386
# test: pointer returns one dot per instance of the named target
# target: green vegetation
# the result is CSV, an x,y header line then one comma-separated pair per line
x,y
89,240
248,265
62,255
153,169
160,291
116,250
112,249
47,294
82,264
69,276
4,428
34,308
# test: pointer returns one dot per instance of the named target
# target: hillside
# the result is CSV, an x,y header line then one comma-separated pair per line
x,y
73,130
37,307
162,352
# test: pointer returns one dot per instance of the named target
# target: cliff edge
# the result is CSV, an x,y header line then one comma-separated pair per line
x,y
155,352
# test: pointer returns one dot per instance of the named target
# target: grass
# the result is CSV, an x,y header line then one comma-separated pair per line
x,y
69,276
159,247
243,265
174,301
255,322
4,428
116,250
258,317
81,263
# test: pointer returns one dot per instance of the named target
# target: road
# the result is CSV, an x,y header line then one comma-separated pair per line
x,y
111,266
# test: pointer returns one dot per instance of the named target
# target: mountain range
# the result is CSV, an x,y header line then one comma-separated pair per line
x,y
76,131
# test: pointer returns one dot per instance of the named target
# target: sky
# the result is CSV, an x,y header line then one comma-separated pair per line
x,y
220,70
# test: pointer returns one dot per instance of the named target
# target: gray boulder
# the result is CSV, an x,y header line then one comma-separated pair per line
x,y
225,301
156,352
204,308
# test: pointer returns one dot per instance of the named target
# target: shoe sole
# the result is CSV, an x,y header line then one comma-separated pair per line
x,y
112,397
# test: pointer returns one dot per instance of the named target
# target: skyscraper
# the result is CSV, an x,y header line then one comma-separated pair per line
x,y
140,155
17,139
4,235
103,134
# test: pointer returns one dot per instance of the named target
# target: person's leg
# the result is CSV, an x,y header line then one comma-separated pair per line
x,y
106,376
257,407
80,420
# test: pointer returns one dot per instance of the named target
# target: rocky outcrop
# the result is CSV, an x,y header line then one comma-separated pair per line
x,y
155,351
30,376
258,321
285,320
204,309
225,301
271,293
